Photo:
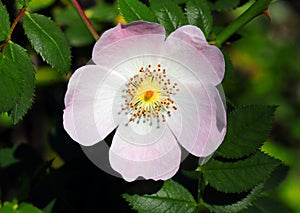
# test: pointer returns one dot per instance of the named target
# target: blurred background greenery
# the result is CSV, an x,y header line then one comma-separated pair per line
x,y
266,71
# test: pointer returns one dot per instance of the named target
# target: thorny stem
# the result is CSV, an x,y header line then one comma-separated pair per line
x,y
17,19
257,8
85,19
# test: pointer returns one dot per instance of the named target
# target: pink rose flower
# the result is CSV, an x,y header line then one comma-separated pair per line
x,y
158,93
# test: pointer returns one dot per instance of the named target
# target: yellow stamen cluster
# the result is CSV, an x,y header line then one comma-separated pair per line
x,y
148,95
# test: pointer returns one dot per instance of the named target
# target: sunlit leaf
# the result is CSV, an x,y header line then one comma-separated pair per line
x,y
134,10
20,58
172,197
198,13
14,207
23,3
38,4
28,208
241,175
247,129
168,14
48,40
238,206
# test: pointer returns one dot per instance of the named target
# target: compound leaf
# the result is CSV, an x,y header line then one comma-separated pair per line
x,y
247,129
198,13
48,40
133,10
172,197
239,176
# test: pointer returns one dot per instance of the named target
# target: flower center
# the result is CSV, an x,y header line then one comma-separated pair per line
x,y
148,96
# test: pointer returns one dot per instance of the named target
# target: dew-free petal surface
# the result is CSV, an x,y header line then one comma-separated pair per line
x,y
158,160
89,102
200,123
187,44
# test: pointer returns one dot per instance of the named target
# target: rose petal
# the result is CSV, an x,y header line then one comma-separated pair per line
x,y
126,41
191,35
122,31
89,101
188,46
157,160
200,122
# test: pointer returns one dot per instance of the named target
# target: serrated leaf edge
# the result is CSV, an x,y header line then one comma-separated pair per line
x,y
134,11
246,189
61,54
247,201
269,131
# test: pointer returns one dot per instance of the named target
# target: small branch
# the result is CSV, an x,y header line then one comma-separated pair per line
x,y
17,19
257,8
85,19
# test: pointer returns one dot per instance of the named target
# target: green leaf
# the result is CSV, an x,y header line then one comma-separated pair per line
x,y
134,10
76,31
102,12
28,208
38,4
11,82
14,207
229,70
241,175
48,40
172,197
23,3
247,129
48,76
180,1
4,23
266,205
7,157
9,207
220,5
21,59
238,206
49,207
168,14
198,13
276,177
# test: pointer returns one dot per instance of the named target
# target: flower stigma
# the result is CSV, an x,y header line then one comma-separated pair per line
x,y
148,96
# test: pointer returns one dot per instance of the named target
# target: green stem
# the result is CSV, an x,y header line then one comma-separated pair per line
x,y
17,19
85,19
257,8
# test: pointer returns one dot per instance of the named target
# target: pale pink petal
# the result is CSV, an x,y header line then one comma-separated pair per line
x,y
156,160
188,46
199,124
89,104
126,41
123,31
191,35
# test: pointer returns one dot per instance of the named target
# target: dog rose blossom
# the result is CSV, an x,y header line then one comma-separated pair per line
x,y
159,93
